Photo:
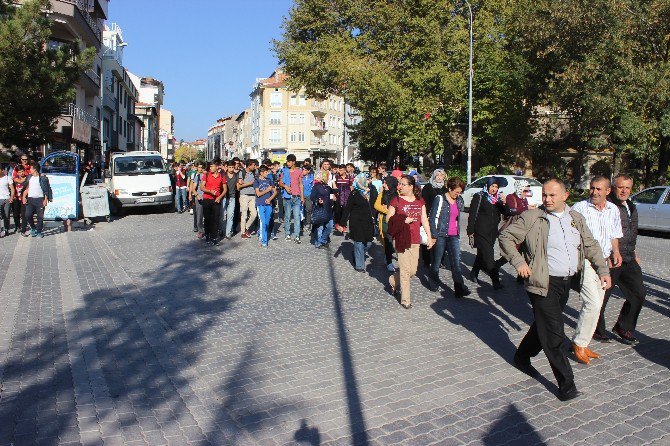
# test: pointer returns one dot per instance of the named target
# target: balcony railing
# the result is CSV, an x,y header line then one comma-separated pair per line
x,y
93,75
78,113
84,6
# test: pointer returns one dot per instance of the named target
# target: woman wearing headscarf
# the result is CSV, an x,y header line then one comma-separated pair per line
x,y
388,193
486,209
322,209
406,216
431,190
518,204
357,212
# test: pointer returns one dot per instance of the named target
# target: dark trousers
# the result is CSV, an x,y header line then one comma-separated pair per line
x,y
211,210
547,332
307,205
629,278
485,260
388,249
19,210
35,206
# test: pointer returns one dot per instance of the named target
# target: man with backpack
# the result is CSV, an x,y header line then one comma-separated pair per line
x,y
293,197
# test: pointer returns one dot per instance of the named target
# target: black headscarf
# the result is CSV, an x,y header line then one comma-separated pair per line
x,y
388,195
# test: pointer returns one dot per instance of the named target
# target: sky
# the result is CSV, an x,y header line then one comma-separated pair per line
x,y
207,53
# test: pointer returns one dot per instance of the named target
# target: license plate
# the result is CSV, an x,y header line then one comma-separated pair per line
x,y
145,200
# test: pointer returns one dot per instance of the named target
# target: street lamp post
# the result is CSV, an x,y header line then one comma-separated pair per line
x,y
469,179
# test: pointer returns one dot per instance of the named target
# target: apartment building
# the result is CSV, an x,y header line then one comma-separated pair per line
x,y
350,151
166,134
119,126
78,128
284,122
147,110
242,141
221,138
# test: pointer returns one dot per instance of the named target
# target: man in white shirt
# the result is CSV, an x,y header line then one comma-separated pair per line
x,y
604,221
6,198
36,196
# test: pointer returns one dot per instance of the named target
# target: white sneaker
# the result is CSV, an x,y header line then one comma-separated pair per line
x,y
190,211
390,268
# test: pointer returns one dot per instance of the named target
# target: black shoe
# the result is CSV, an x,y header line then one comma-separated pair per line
x,y
195,229
601,337
626,336
215,242
498,286
525,367
432,286
461,290
569,395
360,270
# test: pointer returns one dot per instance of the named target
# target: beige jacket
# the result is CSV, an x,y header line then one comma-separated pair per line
x,y
532,230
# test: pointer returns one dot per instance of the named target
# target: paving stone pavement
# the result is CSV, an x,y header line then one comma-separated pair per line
x,y
136,332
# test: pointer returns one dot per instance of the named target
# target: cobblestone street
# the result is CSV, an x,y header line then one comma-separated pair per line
x,y
135,332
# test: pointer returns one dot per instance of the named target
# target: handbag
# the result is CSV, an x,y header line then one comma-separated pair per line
x,y
319,215
424,236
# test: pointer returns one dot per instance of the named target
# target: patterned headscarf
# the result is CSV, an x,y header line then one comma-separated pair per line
x,y
360,183
433,178
321,176
519,187
493,199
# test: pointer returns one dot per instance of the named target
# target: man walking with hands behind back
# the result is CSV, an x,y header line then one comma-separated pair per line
x,y
604,222
556,244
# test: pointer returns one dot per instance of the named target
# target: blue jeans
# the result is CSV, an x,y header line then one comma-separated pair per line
x,y
452,246
292,206
265,217
360,248
180,199
227,212
323,232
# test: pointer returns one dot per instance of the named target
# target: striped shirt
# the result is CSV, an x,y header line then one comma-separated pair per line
x,y
605,225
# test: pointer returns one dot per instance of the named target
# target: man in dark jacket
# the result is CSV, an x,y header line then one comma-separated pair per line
x,y
627,275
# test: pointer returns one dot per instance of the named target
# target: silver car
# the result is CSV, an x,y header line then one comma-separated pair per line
x,y
653,208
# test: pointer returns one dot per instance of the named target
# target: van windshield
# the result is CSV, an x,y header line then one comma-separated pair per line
x,y
138,165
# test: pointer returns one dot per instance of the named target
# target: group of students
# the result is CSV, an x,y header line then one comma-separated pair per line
x,y
24,194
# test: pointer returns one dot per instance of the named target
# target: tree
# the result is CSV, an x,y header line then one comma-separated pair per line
x,y
186,152
36,81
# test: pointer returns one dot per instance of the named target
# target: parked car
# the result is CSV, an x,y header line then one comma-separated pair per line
x,y
506,183
653,208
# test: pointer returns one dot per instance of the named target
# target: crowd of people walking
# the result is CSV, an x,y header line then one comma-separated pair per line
x,y
553,247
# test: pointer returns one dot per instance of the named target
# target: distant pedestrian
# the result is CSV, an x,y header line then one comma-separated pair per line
x,y
196,196
435,187
357,216
228,203
388,193
603,219
406,217
265,193
180,186
18,207
486,209
444,219
214,189
245,185
36,196
628,276
293,197
7,195
322,214
307,183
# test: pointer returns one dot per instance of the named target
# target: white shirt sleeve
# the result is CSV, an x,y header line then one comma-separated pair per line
x,y
617,232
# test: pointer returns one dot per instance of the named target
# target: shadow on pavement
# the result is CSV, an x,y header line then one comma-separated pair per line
x,y
512,428
128,356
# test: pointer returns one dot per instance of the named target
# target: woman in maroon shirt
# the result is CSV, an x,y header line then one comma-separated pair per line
x,y
410,204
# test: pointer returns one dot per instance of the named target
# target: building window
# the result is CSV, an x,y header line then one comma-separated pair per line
x,y
303,100
301,118
294,99
275,99
301,136
275,117
275,136
292,118
293,137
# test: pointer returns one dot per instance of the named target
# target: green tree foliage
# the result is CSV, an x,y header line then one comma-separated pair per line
x,y
35,81
602,64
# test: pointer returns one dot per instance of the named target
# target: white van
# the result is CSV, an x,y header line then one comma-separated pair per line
x,y
139,179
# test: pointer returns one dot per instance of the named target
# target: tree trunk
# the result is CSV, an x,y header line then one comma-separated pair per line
x,y
664,158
